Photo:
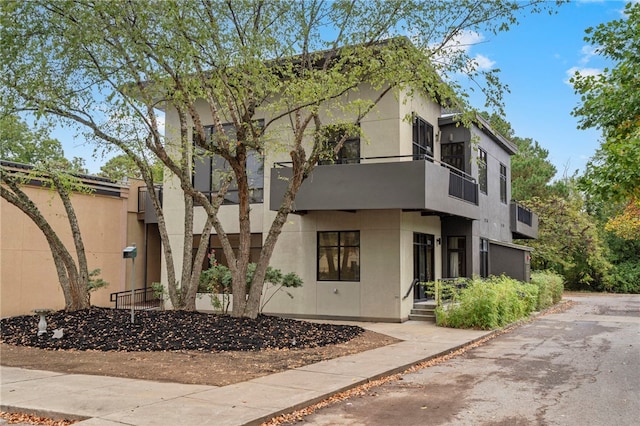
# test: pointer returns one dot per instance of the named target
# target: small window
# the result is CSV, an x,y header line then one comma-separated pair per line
x,y
339,256
349,153
453,155
422,139
484,257
503,183
482,170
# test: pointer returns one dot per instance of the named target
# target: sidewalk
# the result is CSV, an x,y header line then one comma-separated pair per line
x,y
111,401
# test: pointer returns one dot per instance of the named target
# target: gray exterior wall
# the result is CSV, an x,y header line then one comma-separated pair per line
x,y
512,261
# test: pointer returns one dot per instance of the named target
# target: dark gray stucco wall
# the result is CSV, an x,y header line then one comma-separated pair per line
x,y
511,261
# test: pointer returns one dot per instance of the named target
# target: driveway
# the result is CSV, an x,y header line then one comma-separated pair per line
x,y
578,367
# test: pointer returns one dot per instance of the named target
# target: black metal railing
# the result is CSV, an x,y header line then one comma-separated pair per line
x,y
142,298
463,187
524,215
440,289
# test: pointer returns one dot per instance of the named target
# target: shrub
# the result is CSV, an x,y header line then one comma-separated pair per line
x,y
625,278
489,304
217,280
550,287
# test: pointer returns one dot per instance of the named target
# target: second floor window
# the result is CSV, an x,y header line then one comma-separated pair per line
x,y
503,183
453,155
482,170
349,153
210,171
422,139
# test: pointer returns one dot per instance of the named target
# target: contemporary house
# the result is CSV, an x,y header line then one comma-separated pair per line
x,y
415,195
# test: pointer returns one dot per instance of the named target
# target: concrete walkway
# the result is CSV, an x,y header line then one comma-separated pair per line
x,y
111,401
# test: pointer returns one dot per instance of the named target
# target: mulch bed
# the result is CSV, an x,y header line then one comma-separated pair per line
x,y
105,329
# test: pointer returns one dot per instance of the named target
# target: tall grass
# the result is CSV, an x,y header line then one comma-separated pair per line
x,y
489,303
550,287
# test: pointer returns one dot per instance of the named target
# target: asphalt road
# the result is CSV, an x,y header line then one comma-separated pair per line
x,y
578,367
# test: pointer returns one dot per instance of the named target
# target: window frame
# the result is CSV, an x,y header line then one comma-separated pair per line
x,y
350,146
339,247
209,164
503,183
422,138
455,160
483,171
461,255
484,257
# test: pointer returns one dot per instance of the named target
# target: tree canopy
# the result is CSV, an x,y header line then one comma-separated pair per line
x,y
610,101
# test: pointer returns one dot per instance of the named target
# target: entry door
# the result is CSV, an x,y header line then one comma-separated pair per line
x,y
423,261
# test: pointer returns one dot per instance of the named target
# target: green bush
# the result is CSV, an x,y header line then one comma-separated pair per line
x,y
550,287
625,278
217,280
489,303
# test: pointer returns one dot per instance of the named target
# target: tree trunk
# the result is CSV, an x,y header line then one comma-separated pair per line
x,y
74,290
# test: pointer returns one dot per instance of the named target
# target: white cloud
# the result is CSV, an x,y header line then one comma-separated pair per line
x,y
461,44
463,41
587,52
482,62
583,71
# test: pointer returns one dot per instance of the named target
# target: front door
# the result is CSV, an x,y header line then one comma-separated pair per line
x,y
423,261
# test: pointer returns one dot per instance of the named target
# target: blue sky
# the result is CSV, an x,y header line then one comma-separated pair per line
x,y
536,59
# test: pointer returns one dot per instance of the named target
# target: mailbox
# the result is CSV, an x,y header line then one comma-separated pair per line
x,y
129,252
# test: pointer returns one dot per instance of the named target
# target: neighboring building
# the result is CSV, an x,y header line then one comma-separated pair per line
x,y
109,221
419,198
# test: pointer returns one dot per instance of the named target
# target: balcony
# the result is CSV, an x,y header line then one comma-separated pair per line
x,y
146,211
524,222
382,183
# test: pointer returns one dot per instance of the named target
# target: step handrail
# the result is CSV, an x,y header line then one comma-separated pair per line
x,y
411,287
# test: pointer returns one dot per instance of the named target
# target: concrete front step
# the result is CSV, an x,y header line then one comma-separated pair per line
x,y
421,317
423,311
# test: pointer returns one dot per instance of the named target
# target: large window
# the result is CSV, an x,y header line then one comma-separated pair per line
x,y
482,170
214,248
503,183
422,139
210,171
456,256
349,153
484,257
453,155
339,256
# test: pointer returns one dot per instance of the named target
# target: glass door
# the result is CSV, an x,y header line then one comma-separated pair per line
x,y
423,261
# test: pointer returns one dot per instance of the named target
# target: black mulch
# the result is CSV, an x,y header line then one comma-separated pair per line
x,y
107,329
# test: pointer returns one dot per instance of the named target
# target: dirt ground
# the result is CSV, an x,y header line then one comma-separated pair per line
x,y
193,367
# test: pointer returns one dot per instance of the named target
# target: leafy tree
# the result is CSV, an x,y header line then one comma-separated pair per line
x,y
20,144
569,242
626,224
609,101
110,67
531,170
121,166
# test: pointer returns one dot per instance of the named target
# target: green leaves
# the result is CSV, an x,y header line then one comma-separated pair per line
x,y
611,102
